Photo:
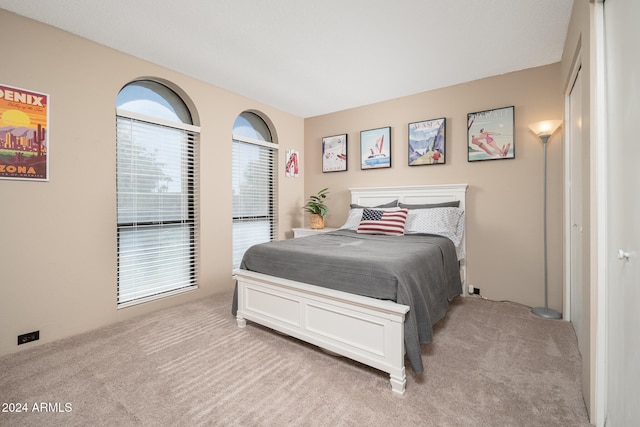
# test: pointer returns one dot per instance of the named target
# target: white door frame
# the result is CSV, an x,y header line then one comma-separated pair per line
x,y
599,247
599,195
598,224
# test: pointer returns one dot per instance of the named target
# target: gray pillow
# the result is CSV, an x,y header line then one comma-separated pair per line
x,y
393,204
454,204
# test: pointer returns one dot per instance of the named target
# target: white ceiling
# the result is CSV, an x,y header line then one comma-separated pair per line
x,y
311,57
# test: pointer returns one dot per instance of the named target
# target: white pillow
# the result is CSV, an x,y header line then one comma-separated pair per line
x,y
447,222
353,220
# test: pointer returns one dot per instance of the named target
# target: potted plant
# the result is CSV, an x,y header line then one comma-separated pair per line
x,y
316,207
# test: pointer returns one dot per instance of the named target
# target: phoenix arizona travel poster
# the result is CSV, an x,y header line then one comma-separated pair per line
x,y
24,134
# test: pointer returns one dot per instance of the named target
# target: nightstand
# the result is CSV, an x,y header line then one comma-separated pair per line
x,y
303,232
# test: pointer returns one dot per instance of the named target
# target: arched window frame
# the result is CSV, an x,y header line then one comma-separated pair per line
x,y
257,224
158,225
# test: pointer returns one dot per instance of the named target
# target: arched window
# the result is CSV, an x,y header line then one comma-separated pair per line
x,y
157,193
254,184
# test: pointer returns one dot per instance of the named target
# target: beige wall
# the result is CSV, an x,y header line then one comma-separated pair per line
x,y
58,250
504,199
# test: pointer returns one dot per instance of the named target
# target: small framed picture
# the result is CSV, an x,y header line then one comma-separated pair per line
x,y
427,142
375,148
490,135
292,167
334,153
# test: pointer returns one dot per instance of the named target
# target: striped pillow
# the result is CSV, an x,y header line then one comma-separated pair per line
x,y
377,221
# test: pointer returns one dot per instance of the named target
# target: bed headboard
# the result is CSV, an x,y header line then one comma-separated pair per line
x,y
417,194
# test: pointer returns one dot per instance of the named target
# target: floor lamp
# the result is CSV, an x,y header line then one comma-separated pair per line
x,y
544,130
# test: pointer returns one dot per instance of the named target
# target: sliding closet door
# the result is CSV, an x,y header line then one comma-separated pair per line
x,y
578,290
622,52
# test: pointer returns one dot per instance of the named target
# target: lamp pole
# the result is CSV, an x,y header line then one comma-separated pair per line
x,y
545,311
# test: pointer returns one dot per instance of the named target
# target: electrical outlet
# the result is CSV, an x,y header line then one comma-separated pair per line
x,y
470,289
476,291
31,336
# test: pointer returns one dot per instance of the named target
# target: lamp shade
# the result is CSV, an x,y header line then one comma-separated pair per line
x,y
545,127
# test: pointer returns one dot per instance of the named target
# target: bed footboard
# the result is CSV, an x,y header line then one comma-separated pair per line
x,y
367,330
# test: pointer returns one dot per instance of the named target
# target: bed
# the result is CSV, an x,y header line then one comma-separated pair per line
x,y
344,291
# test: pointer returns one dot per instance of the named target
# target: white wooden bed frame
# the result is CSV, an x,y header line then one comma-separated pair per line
x,y
368,330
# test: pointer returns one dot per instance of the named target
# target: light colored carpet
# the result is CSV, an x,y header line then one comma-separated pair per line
x,y
491,364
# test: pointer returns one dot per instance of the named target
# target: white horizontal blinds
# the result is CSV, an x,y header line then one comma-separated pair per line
x,y
254,165
254,189
157,188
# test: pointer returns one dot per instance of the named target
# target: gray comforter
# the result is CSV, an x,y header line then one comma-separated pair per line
x,y
420,271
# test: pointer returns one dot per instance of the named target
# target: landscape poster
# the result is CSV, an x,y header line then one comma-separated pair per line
x,y
427,142
24,134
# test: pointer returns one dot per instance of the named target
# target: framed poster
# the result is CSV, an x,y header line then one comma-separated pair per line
x,y
427,142
375,148
24,134
490,135
292,167
334,153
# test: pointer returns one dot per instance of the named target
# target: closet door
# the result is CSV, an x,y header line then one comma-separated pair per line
x,y
622,53
579,304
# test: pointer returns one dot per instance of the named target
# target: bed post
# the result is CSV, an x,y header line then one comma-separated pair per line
x,y
241,322
398,382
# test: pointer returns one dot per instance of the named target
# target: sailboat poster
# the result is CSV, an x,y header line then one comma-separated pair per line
x,y
334,153
375,148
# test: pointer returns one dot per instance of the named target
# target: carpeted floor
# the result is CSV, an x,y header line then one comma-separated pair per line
x,y
491,364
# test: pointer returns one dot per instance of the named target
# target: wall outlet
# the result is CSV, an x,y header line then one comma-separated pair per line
x,y
471,289
31,336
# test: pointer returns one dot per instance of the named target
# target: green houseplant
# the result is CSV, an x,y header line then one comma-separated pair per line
x,y
316,207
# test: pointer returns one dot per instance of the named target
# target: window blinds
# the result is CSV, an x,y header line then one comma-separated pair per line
x,y
254,194
157,208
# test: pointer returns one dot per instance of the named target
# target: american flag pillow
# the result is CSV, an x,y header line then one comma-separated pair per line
x,y
377,221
